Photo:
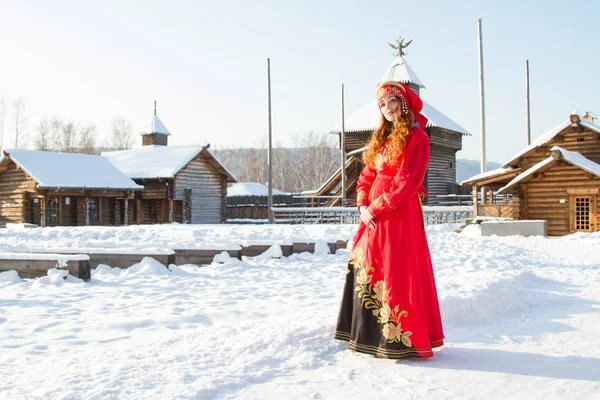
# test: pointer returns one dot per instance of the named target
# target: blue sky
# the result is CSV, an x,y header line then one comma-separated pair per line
x,y
205,64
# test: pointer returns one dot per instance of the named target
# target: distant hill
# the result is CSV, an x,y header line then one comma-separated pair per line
x,y
468,168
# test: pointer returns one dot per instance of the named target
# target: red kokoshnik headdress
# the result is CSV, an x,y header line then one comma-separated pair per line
x,y
409,100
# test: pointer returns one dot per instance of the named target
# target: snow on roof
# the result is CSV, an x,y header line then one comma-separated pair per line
x,y
152,162
158,126
400,71
67,170
232,178
569,156
579,160
250,189
487,174
525,174
549,135
368,118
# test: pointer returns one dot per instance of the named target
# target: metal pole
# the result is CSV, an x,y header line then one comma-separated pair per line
x,y
270,150
343,153
527,115
482,107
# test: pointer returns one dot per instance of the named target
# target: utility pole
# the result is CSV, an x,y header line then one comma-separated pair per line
x,y
270,150
343,153
482,107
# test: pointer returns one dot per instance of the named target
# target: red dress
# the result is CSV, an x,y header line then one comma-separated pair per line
x,y
390,307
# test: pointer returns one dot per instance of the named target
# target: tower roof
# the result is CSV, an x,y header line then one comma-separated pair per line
x,y
158,126
400,71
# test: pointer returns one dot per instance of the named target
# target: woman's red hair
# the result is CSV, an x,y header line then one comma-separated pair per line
x,y
397,132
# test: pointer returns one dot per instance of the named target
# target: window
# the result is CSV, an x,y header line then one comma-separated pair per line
x,y
52,211
582,213
93,210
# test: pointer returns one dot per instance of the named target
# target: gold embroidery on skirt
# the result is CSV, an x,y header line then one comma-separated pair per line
x,y
376,298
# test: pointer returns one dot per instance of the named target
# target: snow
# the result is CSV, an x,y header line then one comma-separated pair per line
x,y
153,162
487,174
250,189
569,156
66,170
400,71
579,160
526,174
521,316
158,126
548,136
59,258
368,118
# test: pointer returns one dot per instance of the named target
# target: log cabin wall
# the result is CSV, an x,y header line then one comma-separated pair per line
x,y
108,211
69,211
548,197
207,186
153,188
441,172
13,185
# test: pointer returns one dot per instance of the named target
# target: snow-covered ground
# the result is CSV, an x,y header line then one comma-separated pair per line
x,y
521,318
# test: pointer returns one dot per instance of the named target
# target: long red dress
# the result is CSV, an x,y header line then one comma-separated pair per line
x,y
390,306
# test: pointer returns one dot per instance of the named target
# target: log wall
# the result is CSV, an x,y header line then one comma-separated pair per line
x,y
544,196
14,183
207,185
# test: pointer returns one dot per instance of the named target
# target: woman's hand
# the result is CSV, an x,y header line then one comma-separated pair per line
x,y
366,217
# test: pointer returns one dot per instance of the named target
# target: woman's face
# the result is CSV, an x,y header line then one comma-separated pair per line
x,y
388,107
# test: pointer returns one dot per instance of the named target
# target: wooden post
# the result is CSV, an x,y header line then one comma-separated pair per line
x,y
475,206
491,195
126,211
270,151
86,204
343,153
60,211
100,201
171,211
482,106
140,212
43,211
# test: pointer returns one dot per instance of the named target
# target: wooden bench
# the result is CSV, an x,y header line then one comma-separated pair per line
x,y
34,265
204,256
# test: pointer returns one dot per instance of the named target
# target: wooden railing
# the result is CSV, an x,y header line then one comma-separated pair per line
x,y
349,215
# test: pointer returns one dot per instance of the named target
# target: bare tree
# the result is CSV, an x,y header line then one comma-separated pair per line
x,y
3,114
42,139
87,139
307,165
20,120
68,138
122,134
316,161
55,134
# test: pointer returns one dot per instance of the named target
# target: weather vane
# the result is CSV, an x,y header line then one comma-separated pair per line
x,y
400,46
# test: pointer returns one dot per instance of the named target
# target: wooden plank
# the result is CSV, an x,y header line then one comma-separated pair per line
x,y
255,250
201,257
37,268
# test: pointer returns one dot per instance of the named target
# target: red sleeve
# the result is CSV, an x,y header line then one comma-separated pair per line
x,y
363,186
409,177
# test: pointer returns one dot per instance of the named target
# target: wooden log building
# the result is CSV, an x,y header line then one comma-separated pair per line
x,y
445,140
556,178
185,184
60,189
152,184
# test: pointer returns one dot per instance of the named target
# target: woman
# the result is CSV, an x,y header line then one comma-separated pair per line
x,y
390,307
